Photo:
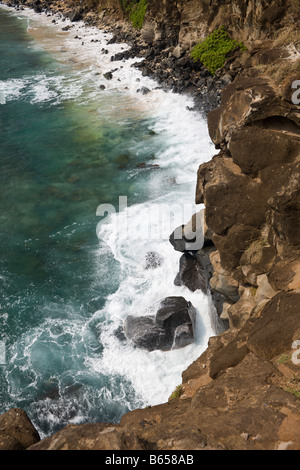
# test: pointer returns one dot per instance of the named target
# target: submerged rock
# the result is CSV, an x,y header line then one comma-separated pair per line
x,y
171,328
144,90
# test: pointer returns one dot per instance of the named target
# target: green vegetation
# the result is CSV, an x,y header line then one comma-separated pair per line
x,y
253,291
256,245
284,358
280,70
137,14
177,392
212,52
135,10
296,393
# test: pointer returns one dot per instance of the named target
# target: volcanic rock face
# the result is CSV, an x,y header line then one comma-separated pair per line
x,y
186,22
255,178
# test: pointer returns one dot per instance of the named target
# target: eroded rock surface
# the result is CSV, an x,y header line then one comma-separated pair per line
x,y
16,430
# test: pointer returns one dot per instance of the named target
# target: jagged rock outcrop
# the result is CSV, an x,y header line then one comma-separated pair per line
x,y
172,327
16,430
254,178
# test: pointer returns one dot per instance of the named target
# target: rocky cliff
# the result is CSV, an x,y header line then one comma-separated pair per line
x,y
243,392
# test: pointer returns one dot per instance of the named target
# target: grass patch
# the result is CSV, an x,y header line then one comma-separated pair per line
x,y
283,358
213,51
253,291
256,245
135,10
278,72
296,393
177,393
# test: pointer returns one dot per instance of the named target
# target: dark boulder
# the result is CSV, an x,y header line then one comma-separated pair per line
x,y
108,75
144,90
195,270
190,274
37,7
144,332
171,328
76,14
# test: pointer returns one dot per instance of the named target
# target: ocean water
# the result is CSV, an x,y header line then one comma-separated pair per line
x,y
94,176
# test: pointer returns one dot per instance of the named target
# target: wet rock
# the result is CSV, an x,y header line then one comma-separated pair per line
x,y
108,75
123,55
171,328
119,333
113,40
76,14
183,336
191,274
144,90
144,332
38,8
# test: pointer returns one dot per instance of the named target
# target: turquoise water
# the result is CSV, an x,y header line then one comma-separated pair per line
x,y
65,148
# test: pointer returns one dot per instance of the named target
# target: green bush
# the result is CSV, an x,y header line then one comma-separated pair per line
x,y
177,393
136,10
212,52
137,14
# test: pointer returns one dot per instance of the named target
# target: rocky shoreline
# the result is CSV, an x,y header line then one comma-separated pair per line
x,y
172,68
243,392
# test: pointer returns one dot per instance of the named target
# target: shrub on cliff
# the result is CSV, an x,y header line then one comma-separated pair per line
x,y
213,51
136,10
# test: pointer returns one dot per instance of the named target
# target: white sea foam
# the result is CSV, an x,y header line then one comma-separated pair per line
x,y
11,89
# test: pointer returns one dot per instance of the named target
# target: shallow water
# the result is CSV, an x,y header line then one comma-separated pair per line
x,y
69,149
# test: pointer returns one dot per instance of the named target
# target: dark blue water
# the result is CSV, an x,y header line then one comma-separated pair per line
x,y
65,148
